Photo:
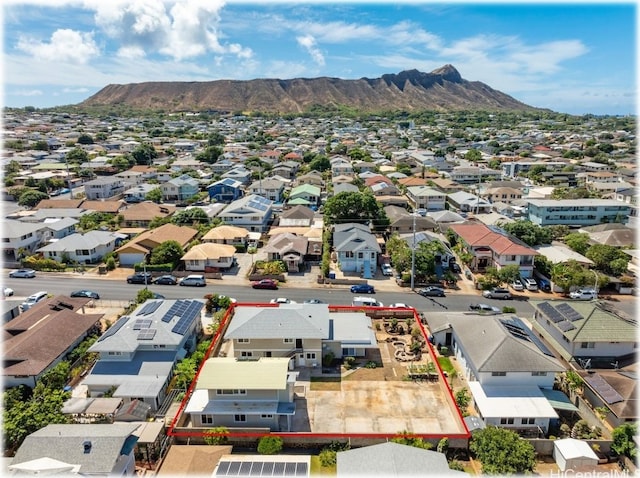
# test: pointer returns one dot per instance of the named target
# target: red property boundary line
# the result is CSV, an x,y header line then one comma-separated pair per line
x,y
171,430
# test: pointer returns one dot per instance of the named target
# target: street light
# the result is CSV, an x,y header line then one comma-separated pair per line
x,y
596,286
413,254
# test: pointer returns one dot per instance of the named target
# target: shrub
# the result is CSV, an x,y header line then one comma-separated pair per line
x,y
349,362
328,458
371,364
270,445
110,263
508,310
328,359
220,438
456,465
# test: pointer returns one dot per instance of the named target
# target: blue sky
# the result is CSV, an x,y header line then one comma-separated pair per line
x,y
574,58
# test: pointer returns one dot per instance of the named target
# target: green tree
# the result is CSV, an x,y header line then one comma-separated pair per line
x,y
31,198
185,373
502,452
270,445
570,273
473,155
216,436
462,399
144,295
608,259
320,163
578,241
56,377
169,252
40,145
12,167
355,207
154,195
528,232
191,216
543,265
508,274
210,154
77,156
406,438
624,440
535,173
144,154
85,139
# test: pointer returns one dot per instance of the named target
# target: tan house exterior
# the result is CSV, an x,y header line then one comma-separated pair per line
x,y
209,256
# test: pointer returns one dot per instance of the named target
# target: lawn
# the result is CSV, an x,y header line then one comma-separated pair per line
x,y
446,366
325,384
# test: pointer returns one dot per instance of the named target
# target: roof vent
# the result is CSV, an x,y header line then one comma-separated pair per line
x,y
87,446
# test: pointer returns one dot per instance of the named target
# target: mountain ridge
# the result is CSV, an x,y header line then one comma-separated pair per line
x,y
443,89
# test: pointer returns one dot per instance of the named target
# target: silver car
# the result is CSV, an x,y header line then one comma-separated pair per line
x,y
23,273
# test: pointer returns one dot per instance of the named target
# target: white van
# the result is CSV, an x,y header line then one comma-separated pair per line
x,y
366,301
33,299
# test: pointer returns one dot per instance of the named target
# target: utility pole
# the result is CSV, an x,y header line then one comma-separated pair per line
x,y
413,254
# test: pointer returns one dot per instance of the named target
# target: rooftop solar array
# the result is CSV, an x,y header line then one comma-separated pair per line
x,y
550,311
569,312
114,328
188,316
519,330
142,324
177,308
150,307
566,326
246,469
258,202
603,388
147,334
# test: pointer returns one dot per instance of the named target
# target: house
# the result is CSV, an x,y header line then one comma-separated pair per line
x,y
131,177
297,216
39,338
78,449
441,258
22,238
223,234
252,212
492,248
576,212
239,173
357,249
402,221
138,193
571,455
302,333
502,194
305,195
581,331
614,389
592,166
141,214
344,186
104,187
425,197
208,257
513,169
232,393
286,169
225,190
289,248
507,370
87,248
472,174
55,230
467,202
611,234
180,189
137,249
340,167
268,188
107,207
445,185
392,460
138,353
312,177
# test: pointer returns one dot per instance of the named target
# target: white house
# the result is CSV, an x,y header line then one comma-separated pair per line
x,y
88,248
104,187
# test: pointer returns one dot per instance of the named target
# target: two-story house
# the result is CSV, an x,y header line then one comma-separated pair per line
x,y
357,249
19,238
305,195
467,202
180,189
104,187
269,188
239,173
88,248
425,197
252,212
225,190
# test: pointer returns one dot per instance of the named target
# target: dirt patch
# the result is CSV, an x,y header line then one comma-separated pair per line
x,y
326,384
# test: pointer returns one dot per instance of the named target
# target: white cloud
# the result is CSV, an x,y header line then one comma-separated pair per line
x,y
309,44
131,52
75,90
65,46
28,93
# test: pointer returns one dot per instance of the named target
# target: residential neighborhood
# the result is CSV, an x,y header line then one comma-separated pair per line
x,y
437,217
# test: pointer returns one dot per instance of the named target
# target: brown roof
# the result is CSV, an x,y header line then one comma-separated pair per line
x,y
146,211
412,181
59,203
140,168
103,206
209,250
477,235
36,338
150,239
192,460
225,232
377,179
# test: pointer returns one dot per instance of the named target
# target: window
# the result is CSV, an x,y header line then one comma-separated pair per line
x,y
498,374
207,419
311,356
528,421
538,374
587,345
225,391
240,418
243,341
247,354
287,341
348,254
266,416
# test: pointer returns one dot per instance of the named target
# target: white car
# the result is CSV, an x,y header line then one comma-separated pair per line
x,y
387,270
485,309
583,294
282,300
400,305
8,291
517,285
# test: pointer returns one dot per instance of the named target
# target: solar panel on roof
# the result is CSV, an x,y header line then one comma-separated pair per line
x,y
518,329
142,324
301,469
569,312
152,307
548,310
114,328
223,467
267,468
256,468
234,466
245,467
278,469
289,469
603,389
147,334
172,311
185,322
566,326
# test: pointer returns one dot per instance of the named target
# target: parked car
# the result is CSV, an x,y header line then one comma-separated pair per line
x,y
166,279
530,283
194,280
23,273
455,267
33,299
314,301
485,309
400,305
583,294
363,289
366,302
387,270
265,284
140,278
544,285
8,291
282,300
85,293
517,285
431,292
497,294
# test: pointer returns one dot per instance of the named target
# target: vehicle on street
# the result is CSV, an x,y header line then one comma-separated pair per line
x,y
386,270
400,305
282,300
194,280
455,267
33,299
583,294
140,278
362,289
485,309
314,301
497,294
166,279
432,292
23,274
517,285
366,301
530,283
85,293
265,284
158,296
8,291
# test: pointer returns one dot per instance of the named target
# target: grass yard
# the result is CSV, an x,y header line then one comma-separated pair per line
x,y
325,384
446,366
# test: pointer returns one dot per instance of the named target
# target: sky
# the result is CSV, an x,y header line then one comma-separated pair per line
x,y
576,58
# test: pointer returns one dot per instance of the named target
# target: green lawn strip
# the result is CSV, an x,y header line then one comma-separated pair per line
x,y
446,365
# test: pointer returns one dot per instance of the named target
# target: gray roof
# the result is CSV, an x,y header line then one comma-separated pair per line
x,y
65,443
575,202
76,241
392,460
308,321
354,237
14,229
60,224
490,347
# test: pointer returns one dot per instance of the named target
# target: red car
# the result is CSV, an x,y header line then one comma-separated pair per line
x,y
265,284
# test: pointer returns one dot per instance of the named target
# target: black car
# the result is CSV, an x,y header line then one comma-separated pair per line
x,y
85,293
166,280
454,267
140,278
